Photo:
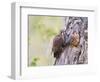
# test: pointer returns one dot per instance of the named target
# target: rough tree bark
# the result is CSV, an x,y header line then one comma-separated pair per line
x,y
75,41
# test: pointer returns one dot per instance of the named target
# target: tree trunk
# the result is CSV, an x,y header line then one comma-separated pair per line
x,y
75,37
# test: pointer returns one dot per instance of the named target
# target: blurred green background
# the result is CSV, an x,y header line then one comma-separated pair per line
x,y
42,30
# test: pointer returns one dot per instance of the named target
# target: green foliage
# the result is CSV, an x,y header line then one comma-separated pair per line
x,y
39,60
42,29
34,61
45,26
33,64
